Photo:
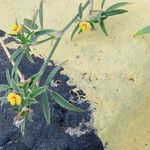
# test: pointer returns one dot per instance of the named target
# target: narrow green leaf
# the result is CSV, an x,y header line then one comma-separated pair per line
x,y
104,18
114,12
43,32
64,103
46,108
92,24
74,31
16,53
33,38
18,60
29,57
45,40
29,35
22,127
117,5
95,21
35,16
80,31
3,100
8,78
99,15
41,14
26,30
37,91
103,3
30,24
14,85
4,87
80,11
16,22
16,77
52,74
143,31
33,101
35,78
102,25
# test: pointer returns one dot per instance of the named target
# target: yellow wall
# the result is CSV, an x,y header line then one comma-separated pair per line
x,y
110,63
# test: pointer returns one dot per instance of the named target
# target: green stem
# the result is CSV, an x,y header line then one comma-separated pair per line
x,y
75,17
42,41
59,39
49,56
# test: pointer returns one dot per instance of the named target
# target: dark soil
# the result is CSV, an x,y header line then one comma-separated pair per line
x,y
40,136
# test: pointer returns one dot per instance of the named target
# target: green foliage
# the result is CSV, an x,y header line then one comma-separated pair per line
x,y
145,30
29,57
74,31
22,127
114,12
46,108
16,53
37,91
28,90
29,36
43,32
52,74
30,24
80,11
64,103
103,3
41,14
117,5
102,25
35,16
18,60
100,16
4,87
8,78
3,100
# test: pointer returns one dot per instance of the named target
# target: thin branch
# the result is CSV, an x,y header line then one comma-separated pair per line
x,y
12,62
51,52
59,39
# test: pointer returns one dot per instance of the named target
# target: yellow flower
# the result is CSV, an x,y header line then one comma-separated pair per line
x,y
14,99
18,100
84,25
16,29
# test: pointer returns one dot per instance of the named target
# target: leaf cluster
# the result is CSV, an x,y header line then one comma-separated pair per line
x,y
30,90
101,16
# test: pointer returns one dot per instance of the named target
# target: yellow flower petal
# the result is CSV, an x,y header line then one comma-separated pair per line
x,y
89,27
11,96
82,23
18,99
13,101
19,28
16,29
14,26
85,26
13,33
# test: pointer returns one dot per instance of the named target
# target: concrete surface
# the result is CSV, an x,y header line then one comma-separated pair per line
x,y
113,71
